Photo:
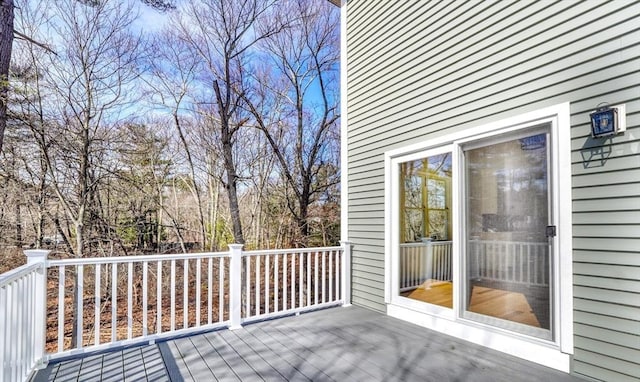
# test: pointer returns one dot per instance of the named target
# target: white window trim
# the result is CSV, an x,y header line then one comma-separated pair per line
x,y
445,320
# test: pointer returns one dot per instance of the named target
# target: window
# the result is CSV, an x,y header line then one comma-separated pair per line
x,y
426,193
471,249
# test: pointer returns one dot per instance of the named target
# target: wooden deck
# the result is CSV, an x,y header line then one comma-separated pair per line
x,y
337,344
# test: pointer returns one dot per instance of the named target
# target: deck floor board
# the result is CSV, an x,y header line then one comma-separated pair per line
x,y
337,344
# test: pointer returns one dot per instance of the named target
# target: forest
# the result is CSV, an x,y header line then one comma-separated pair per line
x,y
136,126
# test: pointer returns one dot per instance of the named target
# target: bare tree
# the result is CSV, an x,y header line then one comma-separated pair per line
x,y
173,74
222,33
297,102
28,113
92,74
7,34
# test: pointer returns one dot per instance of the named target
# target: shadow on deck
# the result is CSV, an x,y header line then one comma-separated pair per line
x,y
338,344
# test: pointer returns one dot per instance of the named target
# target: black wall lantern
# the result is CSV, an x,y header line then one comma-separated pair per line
x,y
607,121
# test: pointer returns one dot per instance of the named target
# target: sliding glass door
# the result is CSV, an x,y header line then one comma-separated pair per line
x,y
507,246
426,229
493,196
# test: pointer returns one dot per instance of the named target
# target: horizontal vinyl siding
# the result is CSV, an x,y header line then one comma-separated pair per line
x,y
417,70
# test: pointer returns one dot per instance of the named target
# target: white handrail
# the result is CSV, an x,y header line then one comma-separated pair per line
x,y
134,259
17,273
115,301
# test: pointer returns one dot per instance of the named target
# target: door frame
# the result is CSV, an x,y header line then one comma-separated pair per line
x,y
555,353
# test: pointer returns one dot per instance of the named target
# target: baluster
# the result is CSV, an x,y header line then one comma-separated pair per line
x,y
198,289
61,289
114,302
535,265
173,295
80,304
185,293
338,279
257,287
26,325
293,281
315,278
308,278
509,262
284,281
324,277
545,258
20,333
330,276
221,279
96,307
450,261
437,257
403,267
247,294
407,268
300,279
145,297
9,334
129,300
415,269
528,264
267,282
210,290
276,283
159,297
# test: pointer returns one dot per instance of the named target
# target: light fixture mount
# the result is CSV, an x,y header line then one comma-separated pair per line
x,y
606,121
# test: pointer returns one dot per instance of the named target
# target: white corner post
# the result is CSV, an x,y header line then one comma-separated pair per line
x,y
346,273
235,286
39,256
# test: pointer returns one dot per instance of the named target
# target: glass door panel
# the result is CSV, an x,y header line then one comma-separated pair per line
x,y
425,261
507,272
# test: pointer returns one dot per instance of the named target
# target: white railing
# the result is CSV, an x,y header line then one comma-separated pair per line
x,y
98,303
507,261
291,280
424,261
22,305
501,261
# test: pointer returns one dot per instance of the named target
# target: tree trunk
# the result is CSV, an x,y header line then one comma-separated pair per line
x,y
195,188
232,190
226,135
213,212
6,43
18,226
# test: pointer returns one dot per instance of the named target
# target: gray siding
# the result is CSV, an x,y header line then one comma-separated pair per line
x,y
418,70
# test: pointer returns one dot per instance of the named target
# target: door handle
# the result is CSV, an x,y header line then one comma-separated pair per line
x,y
550,231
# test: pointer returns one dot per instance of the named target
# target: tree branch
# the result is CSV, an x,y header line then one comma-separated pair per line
x,y
21,36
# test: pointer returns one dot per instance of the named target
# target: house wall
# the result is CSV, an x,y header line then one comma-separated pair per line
x,y
419,70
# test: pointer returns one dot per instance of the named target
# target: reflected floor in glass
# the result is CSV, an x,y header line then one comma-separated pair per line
x,y
507,305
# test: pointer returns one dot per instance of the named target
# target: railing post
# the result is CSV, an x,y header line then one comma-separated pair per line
x,y
39,256
346,273
235,286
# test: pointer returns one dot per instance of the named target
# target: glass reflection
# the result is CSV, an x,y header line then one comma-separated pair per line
x,y
507,251
426,230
